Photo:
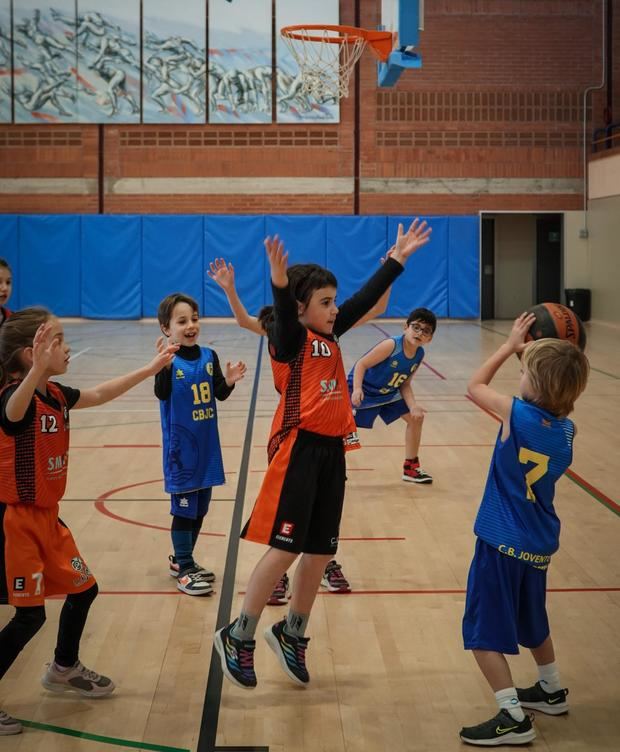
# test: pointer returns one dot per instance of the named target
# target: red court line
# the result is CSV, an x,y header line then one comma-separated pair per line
x,y
101,507
593,490
434,370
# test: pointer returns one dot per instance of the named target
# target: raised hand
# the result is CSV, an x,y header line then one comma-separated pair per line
x,y
407,243
516,338
163,359
234,372
43,347
222,274
278,260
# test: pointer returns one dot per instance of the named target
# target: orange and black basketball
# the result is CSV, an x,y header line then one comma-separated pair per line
x,y
555,320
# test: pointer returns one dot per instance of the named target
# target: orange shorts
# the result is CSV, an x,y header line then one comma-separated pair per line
x,y
40,556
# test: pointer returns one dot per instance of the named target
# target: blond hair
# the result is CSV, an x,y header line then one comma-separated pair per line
x,y
558,373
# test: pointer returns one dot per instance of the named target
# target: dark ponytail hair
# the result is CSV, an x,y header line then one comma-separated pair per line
x,y
16,333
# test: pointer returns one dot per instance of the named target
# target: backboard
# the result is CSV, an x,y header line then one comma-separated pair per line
x,y
405,19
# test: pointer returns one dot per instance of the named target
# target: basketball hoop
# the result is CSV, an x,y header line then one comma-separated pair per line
x,y
326,55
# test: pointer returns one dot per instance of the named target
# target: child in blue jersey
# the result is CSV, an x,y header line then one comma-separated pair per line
x,y
380,386
187,390
517,528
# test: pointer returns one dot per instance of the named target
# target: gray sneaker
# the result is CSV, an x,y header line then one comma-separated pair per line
x,y
9,725
77,679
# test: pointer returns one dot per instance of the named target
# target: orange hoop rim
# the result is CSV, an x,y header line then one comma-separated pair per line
x,y
381,42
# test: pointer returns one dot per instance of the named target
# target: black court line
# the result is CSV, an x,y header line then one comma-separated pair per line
x,y
213,693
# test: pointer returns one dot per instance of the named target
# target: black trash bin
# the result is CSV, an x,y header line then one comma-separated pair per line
x,y
579,300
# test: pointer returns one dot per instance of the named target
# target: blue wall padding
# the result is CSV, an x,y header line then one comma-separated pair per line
x,y
463,267
112,267
238,240
51,245
304,238
120,267
424,282
355,246
9,251
172,259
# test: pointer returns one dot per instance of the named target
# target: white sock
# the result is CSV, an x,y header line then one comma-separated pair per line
x,y
507,700
549,677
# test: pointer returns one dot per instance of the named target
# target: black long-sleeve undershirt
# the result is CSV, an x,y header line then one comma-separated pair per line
x,y
287,335
163,380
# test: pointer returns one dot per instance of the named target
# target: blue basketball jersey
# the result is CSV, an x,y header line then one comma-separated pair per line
x,y
516,515
382,382
192,453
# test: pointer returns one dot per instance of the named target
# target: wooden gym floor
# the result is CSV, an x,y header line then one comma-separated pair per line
x,y
387,664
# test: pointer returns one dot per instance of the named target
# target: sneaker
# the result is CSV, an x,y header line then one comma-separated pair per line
x,y
174,570
551,703
194,582
281,593
78,679
334,580
9,725
502,729
414,473
291,652
236,657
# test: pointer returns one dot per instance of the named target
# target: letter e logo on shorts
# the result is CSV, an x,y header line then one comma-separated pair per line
x,y
286,528
19,583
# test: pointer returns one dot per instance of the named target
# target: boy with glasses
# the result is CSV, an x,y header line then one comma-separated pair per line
x,y
380,385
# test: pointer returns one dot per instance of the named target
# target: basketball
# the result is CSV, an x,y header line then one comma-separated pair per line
x,y
556,320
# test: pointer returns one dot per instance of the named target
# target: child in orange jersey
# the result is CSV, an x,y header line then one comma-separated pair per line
x,y
40,555
299,505
6,288
224,275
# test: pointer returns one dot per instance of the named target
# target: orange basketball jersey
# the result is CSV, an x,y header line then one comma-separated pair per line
x,y
33,464
313,393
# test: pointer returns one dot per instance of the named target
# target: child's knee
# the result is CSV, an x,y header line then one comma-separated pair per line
x,y
27,622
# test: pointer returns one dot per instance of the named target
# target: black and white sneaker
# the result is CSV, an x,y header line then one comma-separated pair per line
x,y
174,569
502,729
551,703
193,582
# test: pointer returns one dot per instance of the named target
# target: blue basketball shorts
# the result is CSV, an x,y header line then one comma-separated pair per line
x,y
366,416
192,504
505,604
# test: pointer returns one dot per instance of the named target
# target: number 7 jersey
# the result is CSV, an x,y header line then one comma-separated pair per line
x,y
517,515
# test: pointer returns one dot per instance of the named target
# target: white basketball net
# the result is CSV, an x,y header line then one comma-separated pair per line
x,y
325,67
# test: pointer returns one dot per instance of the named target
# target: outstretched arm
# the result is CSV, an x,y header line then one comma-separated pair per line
x,y
381,305
407,243
223,274
378,353
109,390
478,388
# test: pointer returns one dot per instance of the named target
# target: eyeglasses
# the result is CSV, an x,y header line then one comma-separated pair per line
x,y
425,331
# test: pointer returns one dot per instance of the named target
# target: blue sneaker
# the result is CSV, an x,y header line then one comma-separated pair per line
x,y
236,657
291,652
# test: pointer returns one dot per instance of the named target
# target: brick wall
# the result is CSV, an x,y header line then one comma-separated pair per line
x,y
499,97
